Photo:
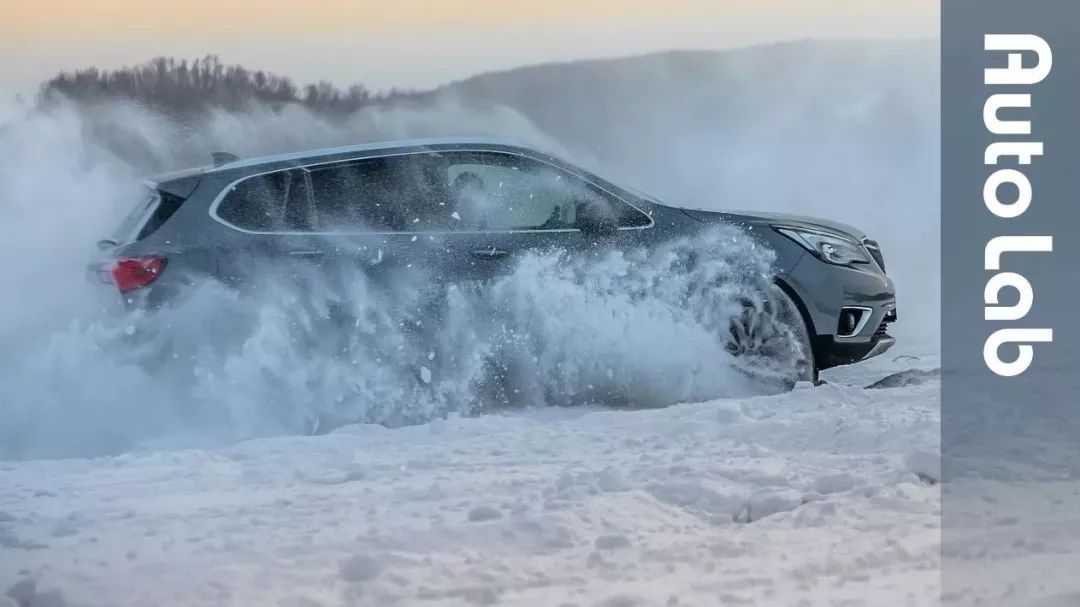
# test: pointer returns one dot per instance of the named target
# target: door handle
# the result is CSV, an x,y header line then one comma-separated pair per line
x,y
305,253
490,253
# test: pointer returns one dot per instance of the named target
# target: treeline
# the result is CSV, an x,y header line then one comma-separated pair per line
x,y
181,88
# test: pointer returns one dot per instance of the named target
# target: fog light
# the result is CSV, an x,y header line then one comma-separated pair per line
x,y
852,321
849,319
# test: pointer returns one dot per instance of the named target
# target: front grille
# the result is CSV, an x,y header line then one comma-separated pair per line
x,y
875,251
883,328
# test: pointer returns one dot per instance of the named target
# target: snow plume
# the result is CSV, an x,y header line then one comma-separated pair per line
x,y
154,143
317,348
327,347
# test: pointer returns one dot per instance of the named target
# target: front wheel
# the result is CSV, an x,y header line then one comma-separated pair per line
x,y
771,340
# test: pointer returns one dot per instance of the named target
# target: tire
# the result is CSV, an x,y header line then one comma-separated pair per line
x,y
806,366
771,341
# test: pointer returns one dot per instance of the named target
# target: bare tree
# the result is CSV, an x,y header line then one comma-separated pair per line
x,y
183,89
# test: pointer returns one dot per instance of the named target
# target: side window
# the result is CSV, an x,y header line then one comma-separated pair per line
x,y
500,192
395,193
460,191
492,191
273,202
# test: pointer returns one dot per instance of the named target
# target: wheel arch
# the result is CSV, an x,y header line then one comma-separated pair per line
x,y
820,360
803,310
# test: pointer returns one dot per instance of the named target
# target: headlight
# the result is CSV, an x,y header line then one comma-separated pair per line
x,y
827,247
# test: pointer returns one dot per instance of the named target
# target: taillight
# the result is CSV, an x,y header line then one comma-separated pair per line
x,y
134,273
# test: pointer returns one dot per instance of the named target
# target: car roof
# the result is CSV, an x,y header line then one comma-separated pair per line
x,y
315,154
360,148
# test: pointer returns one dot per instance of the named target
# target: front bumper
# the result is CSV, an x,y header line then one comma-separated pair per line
x,y
833,350
826,290
830,352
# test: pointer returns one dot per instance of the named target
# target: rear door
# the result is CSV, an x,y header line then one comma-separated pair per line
x,y
388,217
339,215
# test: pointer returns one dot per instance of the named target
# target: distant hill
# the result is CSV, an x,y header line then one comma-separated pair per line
x,y
719,112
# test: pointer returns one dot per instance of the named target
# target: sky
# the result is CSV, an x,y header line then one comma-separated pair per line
x,y
416,43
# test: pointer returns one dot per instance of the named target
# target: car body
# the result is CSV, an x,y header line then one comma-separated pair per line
x,y
226,221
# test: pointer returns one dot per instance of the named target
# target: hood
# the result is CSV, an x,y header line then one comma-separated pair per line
x,y
796,221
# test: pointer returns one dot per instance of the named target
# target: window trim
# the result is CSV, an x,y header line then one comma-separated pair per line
x,y
213,210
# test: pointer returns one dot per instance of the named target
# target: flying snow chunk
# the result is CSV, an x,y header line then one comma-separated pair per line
x,y
360,568
611,542
425,375
482,514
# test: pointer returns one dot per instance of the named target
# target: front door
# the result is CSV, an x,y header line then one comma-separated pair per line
x,y
507,205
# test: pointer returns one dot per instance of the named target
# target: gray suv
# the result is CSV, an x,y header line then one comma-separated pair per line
x,y
227,220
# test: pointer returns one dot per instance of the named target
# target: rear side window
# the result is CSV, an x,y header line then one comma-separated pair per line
x,y
150,214
271,202
167,205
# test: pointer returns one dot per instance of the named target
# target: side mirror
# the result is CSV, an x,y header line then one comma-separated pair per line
x,y
595,216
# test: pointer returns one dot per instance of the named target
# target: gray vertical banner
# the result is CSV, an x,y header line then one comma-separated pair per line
x,y
1010,430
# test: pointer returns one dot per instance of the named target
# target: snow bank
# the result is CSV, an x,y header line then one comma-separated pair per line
x,y
807,497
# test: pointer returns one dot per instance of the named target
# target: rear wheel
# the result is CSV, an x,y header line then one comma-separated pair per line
x,y
771,340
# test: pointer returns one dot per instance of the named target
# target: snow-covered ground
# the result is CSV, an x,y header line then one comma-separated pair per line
x,y
822,496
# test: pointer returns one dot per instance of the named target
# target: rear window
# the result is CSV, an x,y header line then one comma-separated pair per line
x,y
149,214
